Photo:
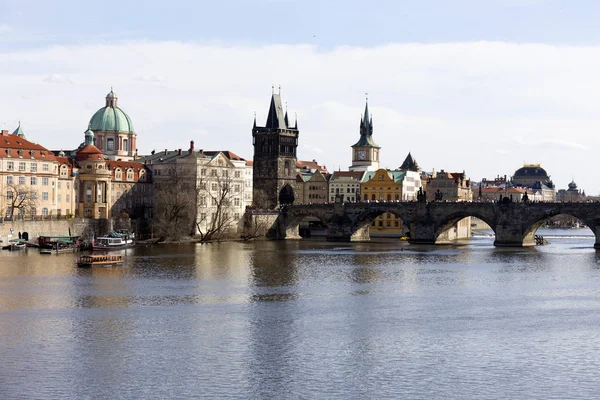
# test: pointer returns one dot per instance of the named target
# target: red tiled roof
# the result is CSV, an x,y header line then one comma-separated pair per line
x,y
229,154
249,163
89,152
136,166
15,147
310,165
351,174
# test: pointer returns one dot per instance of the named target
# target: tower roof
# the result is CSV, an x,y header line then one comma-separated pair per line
x,y
366,130
19,131
276,118
409,164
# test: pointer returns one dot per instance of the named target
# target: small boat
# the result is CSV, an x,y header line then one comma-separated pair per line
x,y
113,241
98,260
17,244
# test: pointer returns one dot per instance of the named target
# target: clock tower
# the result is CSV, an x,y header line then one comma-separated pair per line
x,y
365,152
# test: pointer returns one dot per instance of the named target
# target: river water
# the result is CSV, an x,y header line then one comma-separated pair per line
x,y
306,319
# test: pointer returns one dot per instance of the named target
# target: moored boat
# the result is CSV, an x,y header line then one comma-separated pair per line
x,y
17,244
99,260
113,241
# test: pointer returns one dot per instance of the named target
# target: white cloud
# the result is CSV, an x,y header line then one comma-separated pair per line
x,y
454,106
58,78
5,28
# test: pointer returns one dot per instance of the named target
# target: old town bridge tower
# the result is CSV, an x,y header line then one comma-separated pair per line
x,y
274,169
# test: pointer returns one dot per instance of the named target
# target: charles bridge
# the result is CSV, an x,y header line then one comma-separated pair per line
x,y
514,224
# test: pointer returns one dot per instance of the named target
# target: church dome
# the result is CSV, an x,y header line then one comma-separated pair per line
x,y
531,171
572,185
111,118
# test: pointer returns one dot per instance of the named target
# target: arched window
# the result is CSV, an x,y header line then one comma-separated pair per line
x,y
287,169
366,197
124,145
44,211
130,174
118,174
110,144
389,197
373,197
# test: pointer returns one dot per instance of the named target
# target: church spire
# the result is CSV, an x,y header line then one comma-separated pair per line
x,y
366,129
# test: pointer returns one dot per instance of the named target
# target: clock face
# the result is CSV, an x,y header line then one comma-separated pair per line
x,y
362,155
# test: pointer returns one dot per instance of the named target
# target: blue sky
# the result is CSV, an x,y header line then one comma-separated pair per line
x,y
324,23
480,86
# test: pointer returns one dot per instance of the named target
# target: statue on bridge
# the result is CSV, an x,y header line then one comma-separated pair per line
x,y
439,195
421,196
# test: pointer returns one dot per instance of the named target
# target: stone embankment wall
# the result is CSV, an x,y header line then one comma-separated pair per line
x,y
83,227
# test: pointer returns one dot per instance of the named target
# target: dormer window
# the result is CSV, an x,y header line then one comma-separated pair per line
x,y
20,151
31,153
8,152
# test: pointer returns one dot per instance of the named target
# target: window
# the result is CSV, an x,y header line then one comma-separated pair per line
x,y
236,216
21,180
58,184
9,195
213,172
45,167
33,167
118,174
110,144
203,172
237,174
236,202
68,198
58,212
10,166
202,216
237,188
9,180
58,198
125,145
63,171
33,195
33,181
21,166
44,195
214,201
44,181
129,175
44,211
202,200
213,187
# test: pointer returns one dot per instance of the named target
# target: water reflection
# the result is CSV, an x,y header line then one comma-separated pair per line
x,y
303,319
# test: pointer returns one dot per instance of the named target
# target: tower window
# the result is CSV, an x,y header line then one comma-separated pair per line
x,y
110,144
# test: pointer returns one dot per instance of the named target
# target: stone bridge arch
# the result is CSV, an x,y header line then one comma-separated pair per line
x,y
446,222
290,218
362,220
533,223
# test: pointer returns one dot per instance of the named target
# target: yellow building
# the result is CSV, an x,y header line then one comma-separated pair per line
x,y
389,186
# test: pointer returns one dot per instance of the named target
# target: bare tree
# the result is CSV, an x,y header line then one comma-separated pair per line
x,y
174,210
20,200
215,201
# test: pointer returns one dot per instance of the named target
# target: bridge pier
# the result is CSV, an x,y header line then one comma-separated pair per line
x,y
511,235
422,233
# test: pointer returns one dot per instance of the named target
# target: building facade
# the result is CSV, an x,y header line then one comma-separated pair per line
x,y
345,185
450,186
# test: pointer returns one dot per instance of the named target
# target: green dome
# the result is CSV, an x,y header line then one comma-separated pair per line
x,y
111,119
111,95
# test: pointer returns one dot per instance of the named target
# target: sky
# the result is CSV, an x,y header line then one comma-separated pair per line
x,y
479,86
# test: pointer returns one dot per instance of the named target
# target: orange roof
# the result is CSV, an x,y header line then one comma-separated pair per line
x,y
15,146
89,152
249,163
502,190
350,174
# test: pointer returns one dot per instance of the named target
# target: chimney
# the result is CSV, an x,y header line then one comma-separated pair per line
x,y
165,152
4,132
191,147
179,151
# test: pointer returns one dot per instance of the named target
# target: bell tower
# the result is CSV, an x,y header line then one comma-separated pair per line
x,y
274,168
365,153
